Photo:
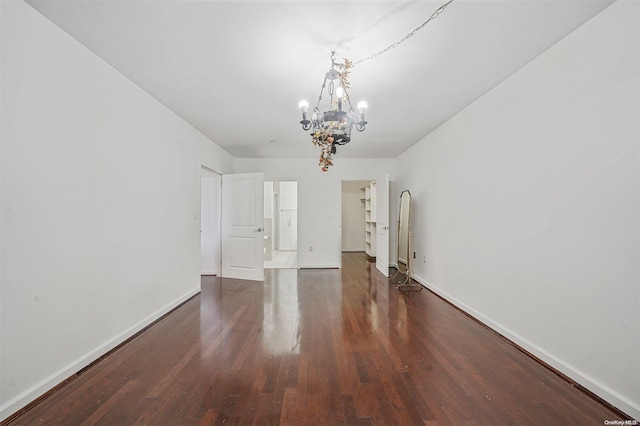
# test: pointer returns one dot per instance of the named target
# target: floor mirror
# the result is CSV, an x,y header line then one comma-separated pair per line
x,y
404,244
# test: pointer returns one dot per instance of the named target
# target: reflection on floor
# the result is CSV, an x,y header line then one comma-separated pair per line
x,y
282,260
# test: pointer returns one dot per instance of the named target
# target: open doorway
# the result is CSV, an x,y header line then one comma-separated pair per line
x,y
354,221
209,222
280,224
365,219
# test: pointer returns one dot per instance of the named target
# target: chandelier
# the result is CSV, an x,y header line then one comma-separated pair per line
x,y
333,126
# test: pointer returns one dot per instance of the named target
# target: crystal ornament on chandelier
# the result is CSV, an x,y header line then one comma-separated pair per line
x,y
333,127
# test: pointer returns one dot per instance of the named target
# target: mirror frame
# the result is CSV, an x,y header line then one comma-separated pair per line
x,y
404,233
404,245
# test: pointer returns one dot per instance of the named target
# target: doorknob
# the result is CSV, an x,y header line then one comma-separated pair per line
x,y
259,229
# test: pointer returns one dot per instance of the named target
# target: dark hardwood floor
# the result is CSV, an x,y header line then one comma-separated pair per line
x,y
317,347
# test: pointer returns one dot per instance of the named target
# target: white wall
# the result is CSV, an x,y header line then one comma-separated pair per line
x,y
353,224
526,206
289,195
319,199
100,206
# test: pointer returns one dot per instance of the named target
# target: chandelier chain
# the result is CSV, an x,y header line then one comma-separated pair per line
x,y
317,107
433,16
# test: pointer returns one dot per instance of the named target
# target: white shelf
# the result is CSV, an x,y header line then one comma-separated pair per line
x,y
370,218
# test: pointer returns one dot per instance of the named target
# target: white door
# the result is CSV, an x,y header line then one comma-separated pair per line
x,y
382,225
242,226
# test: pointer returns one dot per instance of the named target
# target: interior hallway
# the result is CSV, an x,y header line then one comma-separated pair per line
x,y
317,346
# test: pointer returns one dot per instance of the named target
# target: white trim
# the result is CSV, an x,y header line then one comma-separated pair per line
x,y
593,385
209,272
14,405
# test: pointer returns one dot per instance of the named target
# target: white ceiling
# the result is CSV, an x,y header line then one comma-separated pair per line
x,y
236,70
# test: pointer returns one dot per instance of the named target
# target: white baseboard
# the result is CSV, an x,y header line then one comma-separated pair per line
x,y
609,395
15,404
209,272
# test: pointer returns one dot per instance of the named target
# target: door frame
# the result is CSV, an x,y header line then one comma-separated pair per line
x,y
390,214
276,217
218,208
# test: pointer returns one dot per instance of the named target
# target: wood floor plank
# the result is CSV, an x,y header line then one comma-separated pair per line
x,y
317,347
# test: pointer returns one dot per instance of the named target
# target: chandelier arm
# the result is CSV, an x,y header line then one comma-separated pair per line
x,y
433,16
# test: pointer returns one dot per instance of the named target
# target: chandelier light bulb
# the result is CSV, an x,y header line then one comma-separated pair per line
x,y
306,124
362,107
339,95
